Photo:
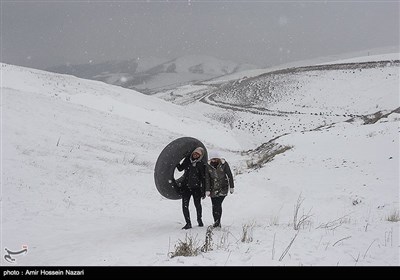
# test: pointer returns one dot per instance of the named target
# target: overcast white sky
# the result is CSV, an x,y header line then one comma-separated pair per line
x,y
40,34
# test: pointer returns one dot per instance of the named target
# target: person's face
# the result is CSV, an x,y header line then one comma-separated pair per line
x,y
196,155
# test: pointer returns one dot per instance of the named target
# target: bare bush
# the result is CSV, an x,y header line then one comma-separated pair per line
x,y
274,220
247,233
186,248
394,216
223,242
208,243
389,238
303,219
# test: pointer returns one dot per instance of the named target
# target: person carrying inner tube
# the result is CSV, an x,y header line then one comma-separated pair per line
x,y
193,184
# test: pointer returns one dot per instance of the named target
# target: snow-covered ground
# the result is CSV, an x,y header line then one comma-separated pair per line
x,y
78,188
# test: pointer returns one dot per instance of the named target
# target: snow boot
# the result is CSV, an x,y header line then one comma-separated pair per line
x,y
187,226
217,224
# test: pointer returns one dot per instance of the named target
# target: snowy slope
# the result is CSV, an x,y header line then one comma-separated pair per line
x,y
112,100
78,159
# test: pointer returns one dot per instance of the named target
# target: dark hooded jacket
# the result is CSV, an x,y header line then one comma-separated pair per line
x,y
194,170
219,178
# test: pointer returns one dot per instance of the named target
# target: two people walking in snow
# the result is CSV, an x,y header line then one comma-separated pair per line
x,y
213,179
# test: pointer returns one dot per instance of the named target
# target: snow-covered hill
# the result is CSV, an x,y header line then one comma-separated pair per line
x,y
78,159
303,97
151,74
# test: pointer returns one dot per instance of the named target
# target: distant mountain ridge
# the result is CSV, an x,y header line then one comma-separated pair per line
x,y
151,74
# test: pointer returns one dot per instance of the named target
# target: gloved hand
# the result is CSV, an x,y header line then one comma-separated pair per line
x,y
208,193
231,190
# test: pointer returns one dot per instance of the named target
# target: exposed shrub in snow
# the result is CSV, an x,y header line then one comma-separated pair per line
x,y
190,246
303,219
394,216
186,248
208,242
247,233
274,220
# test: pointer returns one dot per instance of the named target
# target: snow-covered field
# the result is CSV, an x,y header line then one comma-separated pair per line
x,y
78,159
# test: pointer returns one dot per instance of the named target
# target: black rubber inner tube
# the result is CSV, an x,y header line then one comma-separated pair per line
x,y
166,163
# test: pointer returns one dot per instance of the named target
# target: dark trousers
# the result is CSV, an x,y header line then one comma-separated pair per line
x,y
197,203
217,208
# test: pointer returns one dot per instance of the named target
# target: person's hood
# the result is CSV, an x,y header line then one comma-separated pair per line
x,y
220,161
214,154
199,150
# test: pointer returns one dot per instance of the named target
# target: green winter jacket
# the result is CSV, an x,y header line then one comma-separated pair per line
x,y
218,179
